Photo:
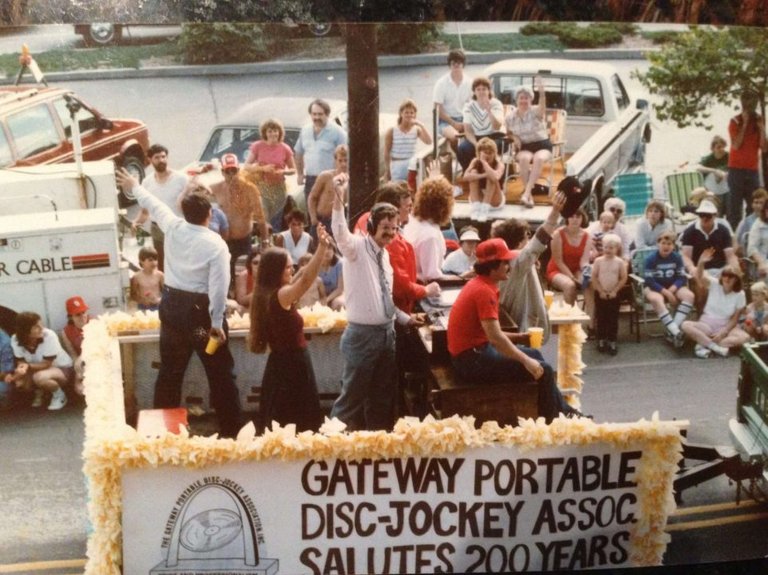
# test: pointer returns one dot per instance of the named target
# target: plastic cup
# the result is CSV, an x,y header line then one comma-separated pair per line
x,y
549,297
536,335
212,346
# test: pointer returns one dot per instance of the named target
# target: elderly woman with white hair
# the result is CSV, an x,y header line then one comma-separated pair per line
x,y
527,126
617,207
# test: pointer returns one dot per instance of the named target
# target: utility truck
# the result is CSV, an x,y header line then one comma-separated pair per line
x,y
59,237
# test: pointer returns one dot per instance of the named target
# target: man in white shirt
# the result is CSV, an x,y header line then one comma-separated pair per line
x,y
450,94
166,185
369,379
193,303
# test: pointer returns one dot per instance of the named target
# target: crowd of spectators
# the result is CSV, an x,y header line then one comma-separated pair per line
x,y
391,259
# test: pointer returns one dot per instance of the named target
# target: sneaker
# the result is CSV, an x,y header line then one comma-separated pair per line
x,y
701,352
612,349
474,210
602,346
58,400
719,349
482,212
678,340
38,399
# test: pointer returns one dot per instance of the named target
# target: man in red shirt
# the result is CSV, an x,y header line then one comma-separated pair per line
x,y
481,351
747,131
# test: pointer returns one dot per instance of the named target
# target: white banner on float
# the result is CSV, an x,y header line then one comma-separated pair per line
x,y
490,509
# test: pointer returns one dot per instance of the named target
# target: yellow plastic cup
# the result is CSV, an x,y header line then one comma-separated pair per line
x,y
549,297
536,335
213,345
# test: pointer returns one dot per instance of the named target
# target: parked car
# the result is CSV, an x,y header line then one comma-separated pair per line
x,y
36,128
241,129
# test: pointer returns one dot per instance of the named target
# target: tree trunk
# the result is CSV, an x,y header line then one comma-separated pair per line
x,y
363,102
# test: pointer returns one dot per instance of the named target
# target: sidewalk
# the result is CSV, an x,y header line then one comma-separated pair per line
x,y
329,65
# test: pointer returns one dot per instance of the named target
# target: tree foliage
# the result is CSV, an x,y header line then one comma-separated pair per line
x,y
704,67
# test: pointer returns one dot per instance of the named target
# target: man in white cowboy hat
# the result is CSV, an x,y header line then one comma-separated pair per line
x,y
706,232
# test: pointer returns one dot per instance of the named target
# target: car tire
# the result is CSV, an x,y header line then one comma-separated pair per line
x,y
320,29
135,166
103,34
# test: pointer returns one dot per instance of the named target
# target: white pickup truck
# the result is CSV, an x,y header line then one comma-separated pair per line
x,y
606,129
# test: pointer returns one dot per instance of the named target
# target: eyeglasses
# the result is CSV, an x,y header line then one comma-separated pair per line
x,y
617,210
231,171
706,216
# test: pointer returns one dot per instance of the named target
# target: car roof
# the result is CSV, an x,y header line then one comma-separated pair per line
x,y
17,97
554,65
291,111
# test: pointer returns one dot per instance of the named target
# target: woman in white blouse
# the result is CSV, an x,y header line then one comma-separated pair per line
x,y
527,126
483,116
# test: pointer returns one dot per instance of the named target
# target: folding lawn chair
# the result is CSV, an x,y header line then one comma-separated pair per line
x,y
678,188
636,190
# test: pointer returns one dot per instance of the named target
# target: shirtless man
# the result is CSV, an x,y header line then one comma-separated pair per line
x,y
320,200
240,200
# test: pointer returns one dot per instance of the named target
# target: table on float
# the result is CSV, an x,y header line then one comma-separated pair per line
x,y
140,357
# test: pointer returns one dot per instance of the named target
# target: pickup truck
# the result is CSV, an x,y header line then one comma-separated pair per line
x,y
606,129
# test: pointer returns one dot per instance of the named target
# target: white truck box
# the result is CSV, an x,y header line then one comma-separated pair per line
x,y
37,188
46,258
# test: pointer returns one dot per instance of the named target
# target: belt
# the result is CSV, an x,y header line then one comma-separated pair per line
x,y
190,295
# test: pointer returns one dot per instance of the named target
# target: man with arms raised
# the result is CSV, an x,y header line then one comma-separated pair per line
x,y
369,379
193,303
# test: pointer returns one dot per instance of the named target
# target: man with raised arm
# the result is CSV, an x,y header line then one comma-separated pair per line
x,y
193,303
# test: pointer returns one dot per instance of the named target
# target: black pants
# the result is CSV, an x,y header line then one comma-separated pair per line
x,y
607,317
185,322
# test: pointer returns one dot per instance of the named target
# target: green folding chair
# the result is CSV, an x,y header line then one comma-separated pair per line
x,y
636,190
678,187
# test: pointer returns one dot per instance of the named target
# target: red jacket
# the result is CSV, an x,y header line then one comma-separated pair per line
x,y
405,290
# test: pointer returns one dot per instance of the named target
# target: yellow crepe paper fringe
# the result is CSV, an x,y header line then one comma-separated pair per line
x,y
112,446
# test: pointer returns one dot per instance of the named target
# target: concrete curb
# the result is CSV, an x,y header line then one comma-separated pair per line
x,y
335,64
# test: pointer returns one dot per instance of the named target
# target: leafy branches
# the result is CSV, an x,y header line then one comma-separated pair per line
x,y
704,67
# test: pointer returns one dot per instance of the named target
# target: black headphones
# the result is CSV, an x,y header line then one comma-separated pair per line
x,y
376,215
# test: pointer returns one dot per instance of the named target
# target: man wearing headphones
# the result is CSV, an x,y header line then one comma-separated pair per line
x,y
369,378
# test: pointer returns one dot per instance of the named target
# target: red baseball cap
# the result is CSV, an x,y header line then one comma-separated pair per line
x,y
76,305
492,250
229,161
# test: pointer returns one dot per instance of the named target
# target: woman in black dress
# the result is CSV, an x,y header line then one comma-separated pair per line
x,y
288,390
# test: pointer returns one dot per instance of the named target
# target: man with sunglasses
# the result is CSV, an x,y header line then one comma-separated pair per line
x,y
240,200
705,233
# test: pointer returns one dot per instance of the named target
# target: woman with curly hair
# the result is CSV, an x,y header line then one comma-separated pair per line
x,y
288,389
269,159
432,208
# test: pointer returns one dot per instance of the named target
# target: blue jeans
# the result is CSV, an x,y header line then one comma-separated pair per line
x,y
741,184
185,322
486,365
369,378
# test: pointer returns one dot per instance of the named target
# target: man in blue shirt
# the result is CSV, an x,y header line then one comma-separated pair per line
x,y
193,303
316,145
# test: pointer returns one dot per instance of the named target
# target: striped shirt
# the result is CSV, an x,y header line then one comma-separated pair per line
x,y
480,119
404,143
